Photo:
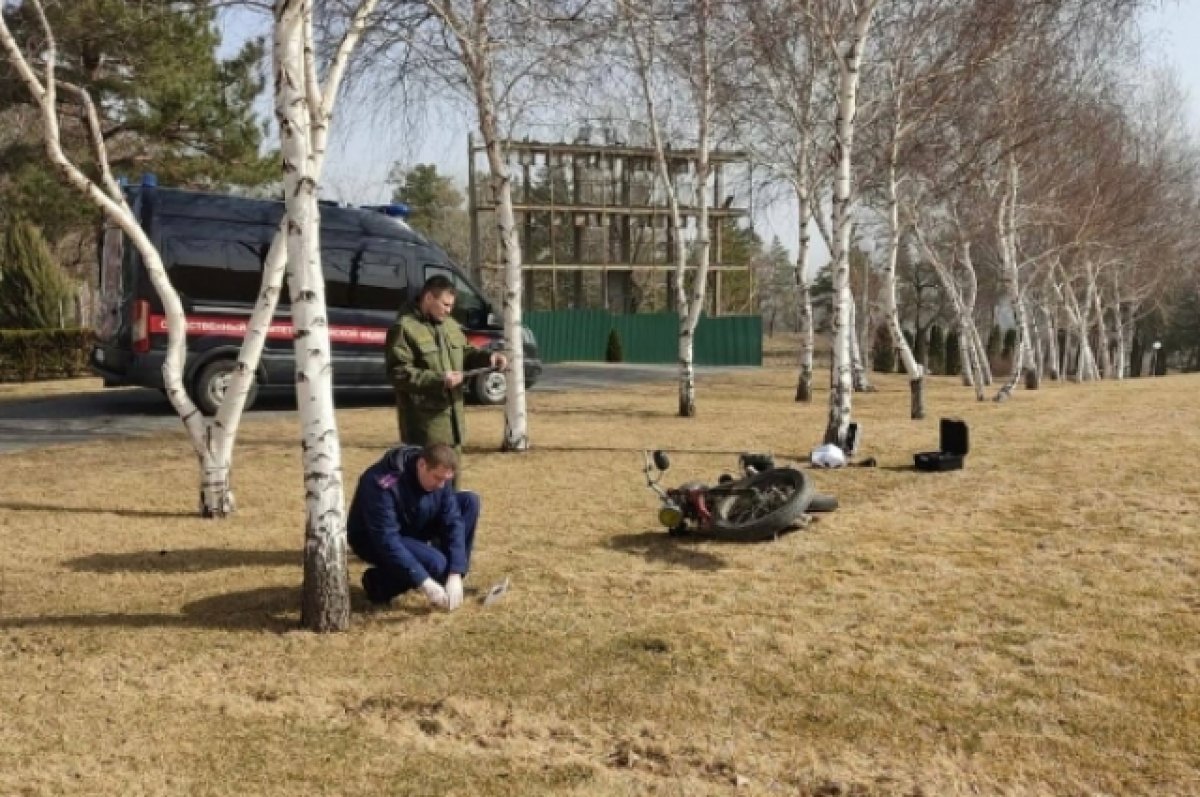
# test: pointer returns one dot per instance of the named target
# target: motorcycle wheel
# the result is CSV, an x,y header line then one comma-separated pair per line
x,y
763,505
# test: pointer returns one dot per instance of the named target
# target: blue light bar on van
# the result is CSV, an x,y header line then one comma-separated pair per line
x,y
149,180
397,210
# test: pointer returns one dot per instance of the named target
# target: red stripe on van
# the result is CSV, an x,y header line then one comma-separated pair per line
x,y
233,327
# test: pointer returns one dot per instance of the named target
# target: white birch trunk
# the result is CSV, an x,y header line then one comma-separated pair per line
x,y
1102,339
804,287
516,426
858,370
891,310
476,46
972,355
111,200
689,320
1120,331
326,599
216,495
689,308
841,395
1007,235
1050,314
1086,367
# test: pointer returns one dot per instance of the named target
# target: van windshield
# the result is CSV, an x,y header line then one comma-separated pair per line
x,y
470,309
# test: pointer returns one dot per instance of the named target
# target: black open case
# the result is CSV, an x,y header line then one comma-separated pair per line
x,y
954,444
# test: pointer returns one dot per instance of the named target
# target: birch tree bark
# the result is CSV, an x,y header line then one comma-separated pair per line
x,y
475,52
216,495
109,198
785,60
298,108
1007,240
698,77
804,288
891,312
849,59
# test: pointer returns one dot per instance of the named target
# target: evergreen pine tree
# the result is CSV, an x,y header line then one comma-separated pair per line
x,y
166,103
953,353
883,354
937,350
995,338
1010,343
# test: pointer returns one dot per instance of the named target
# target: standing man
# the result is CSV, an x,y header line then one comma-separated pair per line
x,y
426,354
408,521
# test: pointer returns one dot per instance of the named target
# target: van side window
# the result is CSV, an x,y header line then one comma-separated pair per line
x,y
246,262
381,282
337,265
198,269
470,309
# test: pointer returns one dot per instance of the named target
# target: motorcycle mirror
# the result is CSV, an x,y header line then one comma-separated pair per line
x,y
661,460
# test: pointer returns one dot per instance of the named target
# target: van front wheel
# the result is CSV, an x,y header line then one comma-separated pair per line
x,y
490,388
212,383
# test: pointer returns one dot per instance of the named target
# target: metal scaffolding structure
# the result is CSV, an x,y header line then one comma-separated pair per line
x,y
594,223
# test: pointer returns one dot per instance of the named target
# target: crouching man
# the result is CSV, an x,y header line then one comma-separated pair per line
x,y
408,521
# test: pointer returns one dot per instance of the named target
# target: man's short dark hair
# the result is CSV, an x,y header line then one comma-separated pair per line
x,y
439,455
437,285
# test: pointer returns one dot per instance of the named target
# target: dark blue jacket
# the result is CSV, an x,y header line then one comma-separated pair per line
x,y
390,503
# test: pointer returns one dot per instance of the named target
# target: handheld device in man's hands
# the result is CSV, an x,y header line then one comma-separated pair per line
x,y
479,372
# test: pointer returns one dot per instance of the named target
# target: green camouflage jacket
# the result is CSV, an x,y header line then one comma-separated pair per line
x,y
419,354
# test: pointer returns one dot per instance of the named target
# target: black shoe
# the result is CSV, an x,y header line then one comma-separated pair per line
x,y
370,585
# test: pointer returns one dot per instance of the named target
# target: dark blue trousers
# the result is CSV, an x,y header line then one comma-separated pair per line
x,y
388,581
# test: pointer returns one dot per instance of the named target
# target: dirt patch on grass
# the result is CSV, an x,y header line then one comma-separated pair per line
x,y
1025,626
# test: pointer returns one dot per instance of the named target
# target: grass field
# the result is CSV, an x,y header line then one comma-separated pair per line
x,y
1026,626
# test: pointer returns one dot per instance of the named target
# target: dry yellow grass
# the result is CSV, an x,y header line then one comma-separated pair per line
x,y
13,391
1026,626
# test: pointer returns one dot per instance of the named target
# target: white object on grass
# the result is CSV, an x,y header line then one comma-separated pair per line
x,y
828,456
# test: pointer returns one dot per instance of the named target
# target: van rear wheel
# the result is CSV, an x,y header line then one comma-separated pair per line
x,y
213,381
490,388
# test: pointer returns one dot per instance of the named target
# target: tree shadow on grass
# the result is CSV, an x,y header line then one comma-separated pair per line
x,y
190,560
271,609
658,546
263,609
28,506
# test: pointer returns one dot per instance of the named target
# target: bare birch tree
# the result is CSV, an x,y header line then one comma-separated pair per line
x,y
493,55
107,195
213,441
216,497
785,101
681,42
846,33
302,108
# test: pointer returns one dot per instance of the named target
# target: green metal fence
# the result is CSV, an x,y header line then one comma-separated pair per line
x,y
582,335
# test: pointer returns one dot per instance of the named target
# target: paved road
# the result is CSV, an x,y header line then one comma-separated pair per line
x,y
120,412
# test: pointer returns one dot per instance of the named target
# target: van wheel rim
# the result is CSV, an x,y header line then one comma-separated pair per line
x,y
494,385
217,388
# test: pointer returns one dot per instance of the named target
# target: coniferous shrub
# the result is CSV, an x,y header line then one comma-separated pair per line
x,y
936,355
614,352
34,291
953,361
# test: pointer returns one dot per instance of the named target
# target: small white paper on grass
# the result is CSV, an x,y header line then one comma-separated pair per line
x,y
497,592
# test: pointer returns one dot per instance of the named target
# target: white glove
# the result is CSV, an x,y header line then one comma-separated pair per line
x,y
434,593
454,592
